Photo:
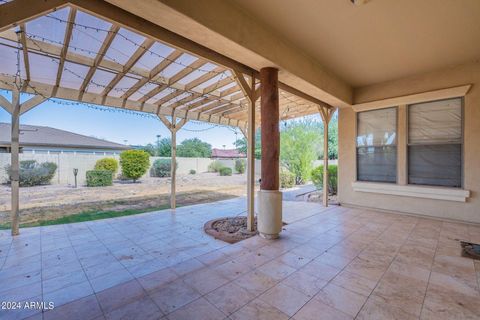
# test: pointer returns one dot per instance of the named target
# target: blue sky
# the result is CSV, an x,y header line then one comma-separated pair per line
x,y
117,126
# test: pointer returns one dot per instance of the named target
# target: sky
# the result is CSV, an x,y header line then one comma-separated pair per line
x,y
118,126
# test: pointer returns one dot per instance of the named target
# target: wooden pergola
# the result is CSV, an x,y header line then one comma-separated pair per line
x,y
134,65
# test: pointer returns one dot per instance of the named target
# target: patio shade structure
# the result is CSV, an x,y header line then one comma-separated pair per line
x,y
95,53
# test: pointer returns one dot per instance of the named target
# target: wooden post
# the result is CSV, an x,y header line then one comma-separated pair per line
x,y
250,92
325,163
173,168
15,163
270,129
326,114
173,126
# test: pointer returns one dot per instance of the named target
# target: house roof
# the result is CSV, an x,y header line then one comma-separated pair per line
x,y
46,136
227,153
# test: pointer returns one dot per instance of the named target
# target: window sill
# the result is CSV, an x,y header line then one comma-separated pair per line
x,y
426,192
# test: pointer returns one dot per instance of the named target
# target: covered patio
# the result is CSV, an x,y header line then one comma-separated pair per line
x,y
330,263
405,84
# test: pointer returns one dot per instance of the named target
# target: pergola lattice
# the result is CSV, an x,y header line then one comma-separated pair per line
x,y
93,52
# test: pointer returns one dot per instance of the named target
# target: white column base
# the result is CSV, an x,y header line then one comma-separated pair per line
x,y
270,213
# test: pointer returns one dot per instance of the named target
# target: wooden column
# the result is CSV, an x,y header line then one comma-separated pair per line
x,y
173,126
325,164
326,113
173,168
270,129
251,93
15,163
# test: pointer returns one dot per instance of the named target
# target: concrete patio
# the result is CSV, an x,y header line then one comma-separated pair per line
x,y
330,263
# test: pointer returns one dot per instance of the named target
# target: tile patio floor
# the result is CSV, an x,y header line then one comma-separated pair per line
x,y
333,263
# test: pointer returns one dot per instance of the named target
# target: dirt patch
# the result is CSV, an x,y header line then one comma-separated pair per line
x,y
56,201
230,229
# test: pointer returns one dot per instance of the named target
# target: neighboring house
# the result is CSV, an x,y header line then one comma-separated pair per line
x,y
46,140
227,154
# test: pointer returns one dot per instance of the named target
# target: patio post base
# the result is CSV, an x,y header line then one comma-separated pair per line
x,y
270,213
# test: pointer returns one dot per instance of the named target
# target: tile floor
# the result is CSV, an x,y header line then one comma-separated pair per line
x,y
333,263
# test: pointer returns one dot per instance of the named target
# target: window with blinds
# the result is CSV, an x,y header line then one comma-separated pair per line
x,y
377,145
435,143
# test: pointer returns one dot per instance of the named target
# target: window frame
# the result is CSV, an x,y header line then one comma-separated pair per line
x,y
462,143
396,144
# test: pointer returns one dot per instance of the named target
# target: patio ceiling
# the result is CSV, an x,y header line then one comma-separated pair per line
x,y
73,54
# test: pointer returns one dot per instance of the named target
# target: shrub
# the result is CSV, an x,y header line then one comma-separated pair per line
x,y
192,171
287,179
108,164
225,171
99,178
215,166
162,168
134,163
317,178
33,173
240,165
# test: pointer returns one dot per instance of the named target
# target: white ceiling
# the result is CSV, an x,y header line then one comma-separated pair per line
x,y
377,41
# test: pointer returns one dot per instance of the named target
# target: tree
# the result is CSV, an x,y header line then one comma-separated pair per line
x,y
241,145
194,148
135,163
162,148
299,146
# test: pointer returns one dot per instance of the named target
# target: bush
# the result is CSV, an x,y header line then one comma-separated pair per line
x,y
162,168
317,178
225,171
287,179
99,178
33,173
192,171
215,166
240,165
134,163
108,164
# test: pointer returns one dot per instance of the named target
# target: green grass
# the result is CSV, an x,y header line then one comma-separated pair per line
x,y
88,216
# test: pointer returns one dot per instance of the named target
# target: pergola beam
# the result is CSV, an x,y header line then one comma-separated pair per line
x,y
94,98
128,65
153,73
66,43
26,60
19,11
98,58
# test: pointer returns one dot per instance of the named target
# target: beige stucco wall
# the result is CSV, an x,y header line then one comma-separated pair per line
x,y
456,76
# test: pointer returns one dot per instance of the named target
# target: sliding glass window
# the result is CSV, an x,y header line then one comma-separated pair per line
x,y
377,145
435,143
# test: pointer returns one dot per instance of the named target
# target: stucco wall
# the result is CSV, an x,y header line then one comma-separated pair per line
x,y
460,75
84,162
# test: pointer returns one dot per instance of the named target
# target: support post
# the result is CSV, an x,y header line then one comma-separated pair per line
x,y
173,168
173,126
270,198
15,163
326,114
325,164
250,92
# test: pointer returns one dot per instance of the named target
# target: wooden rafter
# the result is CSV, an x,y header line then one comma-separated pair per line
x,y
66,43
7,83
186,71
98,58
128,65
153,73
26,60
204,78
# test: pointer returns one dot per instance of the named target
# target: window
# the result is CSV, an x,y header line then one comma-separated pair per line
x,y
435,143
376,145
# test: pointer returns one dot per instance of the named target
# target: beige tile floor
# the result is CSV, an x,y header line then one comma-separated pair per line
x,y
334,263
